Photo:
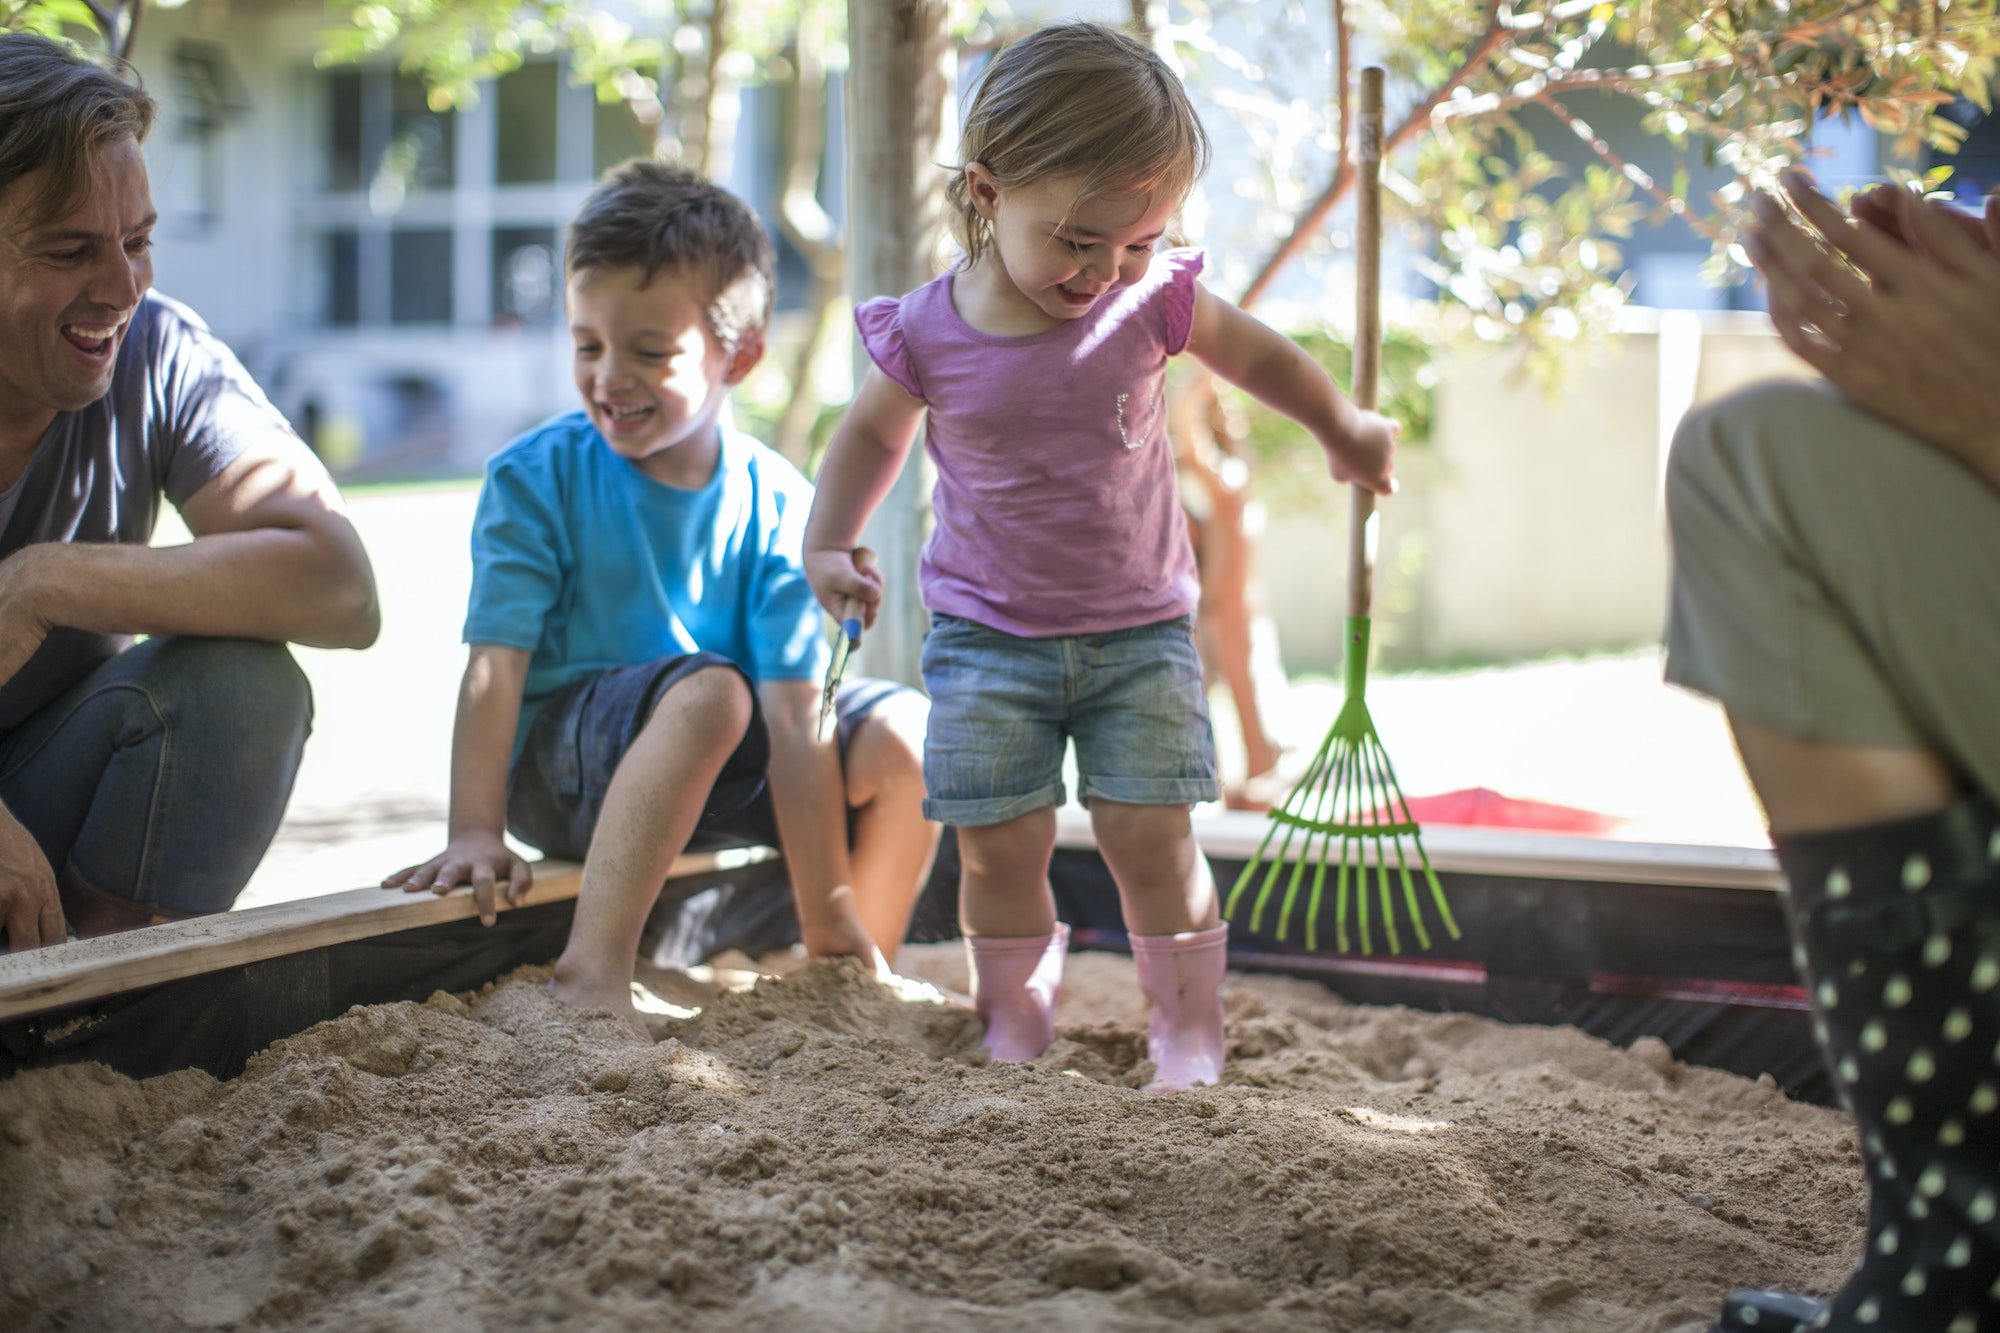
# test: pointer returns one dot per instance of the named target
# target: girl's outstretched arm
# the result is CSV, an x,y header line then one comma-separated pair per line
x,y
862,460
1360,446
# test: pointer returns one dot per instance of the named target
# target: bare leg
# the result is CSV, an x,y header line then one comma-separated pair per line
x,y
1208,447
650,812
893,842
1004,884
1164,882
1812,786
1229,596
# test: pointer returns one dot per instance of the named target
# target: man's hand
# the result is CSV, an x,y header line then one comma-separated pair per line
x,y
1911,332
23,622
1879,207
30,909
838,577
482,859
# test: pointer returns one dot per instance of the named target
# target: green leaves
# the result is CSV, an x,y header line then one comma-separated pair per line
x,y
54,18
458,44
1514,191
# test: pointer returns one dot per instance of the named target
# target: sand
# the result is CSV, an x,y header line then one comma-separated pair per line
x,y
818,1154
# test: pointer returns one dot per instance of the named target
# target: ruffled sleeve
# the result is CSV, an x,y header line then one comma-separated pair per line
x,y
881,324
1182,267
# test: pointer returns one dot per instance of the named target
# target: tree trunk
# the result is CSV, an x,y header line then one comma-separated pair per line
x,y
808,228
899,75
705,104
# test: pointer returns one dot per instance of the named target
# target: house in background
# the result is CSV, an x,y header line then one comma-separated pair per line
x,y
389,272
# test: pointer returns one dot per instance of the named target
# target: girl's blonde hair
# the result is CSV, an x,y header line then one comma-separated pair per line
x,y
1083,100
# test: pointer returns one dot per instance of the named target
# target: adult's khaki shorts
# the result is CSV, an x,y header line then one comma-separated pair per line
x,y
1835,578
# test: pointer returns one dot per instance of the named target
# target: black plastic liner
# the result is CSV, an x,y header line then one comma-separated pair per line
x,y
1706,970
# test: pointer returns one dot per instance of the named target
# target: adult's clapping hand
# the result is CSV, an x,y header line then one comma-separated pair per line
x,y
1880,206
1910,332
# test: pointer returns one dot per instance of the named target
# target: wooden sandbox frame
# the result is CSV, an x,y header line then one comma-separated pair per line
x,y
1622,939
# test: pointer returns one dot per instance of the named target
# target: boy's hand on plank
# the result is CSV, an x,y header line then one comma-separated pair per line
x,y
481,859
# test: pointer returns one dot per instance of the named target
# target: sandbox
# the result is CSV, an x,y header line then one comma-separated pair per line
x,y
821,1152
817,1153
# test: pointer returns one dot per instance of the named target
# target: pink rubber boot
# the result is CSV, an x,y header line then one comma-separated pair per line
x,y
1014,983
1182,978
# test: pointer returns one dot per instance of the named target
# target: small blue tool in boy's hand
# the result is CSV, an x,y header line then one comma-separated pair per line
x,y
843,648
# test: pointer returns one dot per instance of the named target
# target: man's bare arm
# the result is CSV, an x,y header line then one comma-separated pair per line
x,y
273,557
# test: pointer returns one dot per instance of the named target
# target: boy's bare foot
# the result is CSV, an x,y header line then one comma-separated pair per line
x,y
582,991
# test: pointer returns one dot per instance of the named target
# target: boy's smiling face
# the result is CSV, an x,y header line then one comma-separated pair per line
x,y
652,375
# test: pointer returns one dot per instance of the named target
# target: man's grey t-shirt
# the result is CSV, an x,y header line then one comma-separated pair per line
x,y
180,410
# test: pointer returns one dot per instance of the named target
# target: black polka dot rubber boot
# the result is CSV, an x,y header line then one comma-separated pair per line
x,y
1897,931
1767,1312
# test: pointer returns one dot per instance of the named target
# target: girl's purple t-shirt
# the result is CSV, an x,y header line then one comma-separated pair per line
x,y
1056,506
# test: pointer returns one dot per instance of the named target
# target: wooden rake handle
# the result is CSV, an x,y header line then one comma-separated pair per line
x,y
1367,325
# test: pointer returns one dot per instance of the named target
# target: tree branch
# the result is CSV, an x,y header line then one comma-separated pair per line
x,y
132,17
1491,37
1637,175
711,83
1549,18
1343,87
107,22
1544,86
811,232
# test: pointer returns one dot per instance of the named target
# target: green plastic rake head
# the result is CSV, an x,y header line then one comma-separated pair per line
x,y
1350,824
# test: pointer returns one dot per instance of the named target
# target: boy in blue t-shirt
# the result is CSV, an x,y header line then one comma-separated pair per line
x,y
645,652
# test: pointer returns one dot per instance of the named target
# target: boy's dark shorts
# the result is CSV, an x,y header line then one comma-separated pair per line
x,y
583,730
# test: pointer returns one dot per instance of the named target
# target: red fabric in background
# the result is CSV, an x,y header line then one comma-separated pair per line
x,y
1482,807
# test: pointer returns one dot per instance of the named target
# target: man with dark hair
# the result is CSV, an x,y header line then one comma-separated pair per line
x,y
137,783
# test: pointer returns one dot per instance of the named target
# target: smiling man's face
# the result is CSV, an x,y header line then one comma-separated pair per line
x,y
69,285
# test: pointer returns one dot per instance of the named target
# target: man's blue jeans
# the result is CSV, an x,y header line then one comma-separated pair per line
x,y
156,783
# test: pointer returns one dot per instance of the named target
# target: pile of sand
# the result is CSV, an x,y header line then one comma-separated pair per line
x,y
816,1154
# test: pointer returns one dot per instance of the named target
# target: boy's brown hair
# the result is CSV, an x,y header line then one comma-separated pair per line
x,y
57,111
650,216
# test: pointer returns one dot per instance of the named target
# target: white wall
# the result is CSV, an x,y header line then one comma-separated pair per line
x,y
1530,524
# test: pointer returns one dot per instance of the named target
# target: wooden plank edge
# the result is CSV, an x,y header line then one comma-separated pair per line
x,y
1237,834
82,970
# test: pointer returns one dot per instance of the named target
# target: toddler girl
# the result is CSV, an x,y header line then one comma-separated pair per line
x,y
1060,579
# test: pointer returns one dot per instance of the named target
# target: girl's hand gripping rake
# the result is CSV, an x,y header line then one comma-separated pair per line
x,y
1347,813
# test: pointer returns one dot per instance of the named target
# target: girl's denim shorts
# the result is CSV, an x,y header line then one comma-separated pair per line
x,y
1004,707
